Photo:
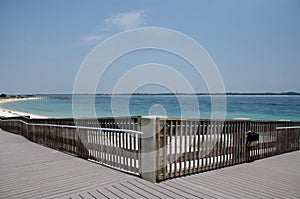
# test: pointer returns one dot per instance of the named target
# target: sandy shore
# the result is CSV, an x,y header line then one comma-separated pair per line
x,y
11,113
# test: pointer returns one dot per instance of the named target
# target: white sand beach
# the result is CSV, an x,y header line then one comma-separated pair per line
x,y
10,113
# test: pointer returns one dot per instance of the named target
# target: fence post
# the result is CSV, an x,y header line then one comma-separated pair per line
x,y
148,148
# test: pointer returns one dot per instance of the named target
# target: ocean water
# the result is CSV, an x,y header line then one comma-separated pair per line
x,y
187,106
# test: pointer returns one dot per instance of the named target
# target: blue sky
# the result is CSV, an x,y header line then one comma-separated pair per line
x,y
254,43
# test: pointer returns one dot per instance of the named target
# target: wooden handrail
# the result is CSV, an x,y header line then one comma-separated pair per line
x,y
77,127
287,127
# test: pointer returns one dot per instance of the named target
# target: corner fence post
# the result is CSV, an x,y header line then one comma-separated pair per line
x,y
148,148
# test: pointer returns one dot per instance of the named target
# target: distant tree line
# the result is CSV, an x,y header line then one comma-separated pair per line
x,y
3,95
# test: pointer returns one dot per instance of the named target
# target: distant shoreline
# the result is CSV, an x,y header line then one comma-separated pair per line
x,y
11,113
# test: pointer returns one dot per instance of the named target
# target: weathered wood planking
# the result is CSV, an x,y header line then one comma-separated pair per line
x,y
183,146
28,170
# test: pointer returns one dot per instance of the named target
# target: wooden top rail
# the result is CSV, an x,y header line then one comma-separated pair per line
x,y
78,127
287,127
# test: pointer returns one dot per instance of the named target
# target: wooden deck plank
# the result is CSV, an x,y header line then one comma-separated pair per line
x,y
242,190
132,193
94,194
171,187
108,194
157,187
202,192
151,188
141,192
116,192
278,186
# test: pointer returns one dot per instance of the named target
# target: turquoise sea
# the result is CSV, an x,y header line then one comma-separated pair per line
x,y
254,107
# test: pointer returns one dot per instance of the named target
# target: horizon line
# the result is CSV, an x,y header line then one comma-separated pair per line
x,y
169,93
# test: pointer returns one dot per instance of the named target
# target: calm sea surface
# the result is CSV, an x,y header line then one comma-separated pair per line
x,y
187,106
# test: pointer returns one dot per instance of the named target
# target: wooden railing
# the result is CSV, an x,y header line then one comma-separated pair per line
x,y
115,147
160,148
191,146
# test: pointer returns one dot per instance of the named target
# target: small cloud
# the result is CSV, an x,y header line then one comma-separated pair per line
x,y
126,20
121,21
95,38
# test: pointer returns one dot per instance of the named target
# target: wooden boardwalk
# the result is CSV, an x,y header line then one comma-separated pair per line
x,y
28,170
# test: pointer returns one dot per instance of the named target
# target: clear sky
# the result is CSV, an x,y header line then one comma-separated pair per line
x,y
254,43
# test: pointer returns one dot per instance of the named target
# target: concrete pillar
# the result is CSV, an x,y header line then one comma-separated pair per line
x,y
148,148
